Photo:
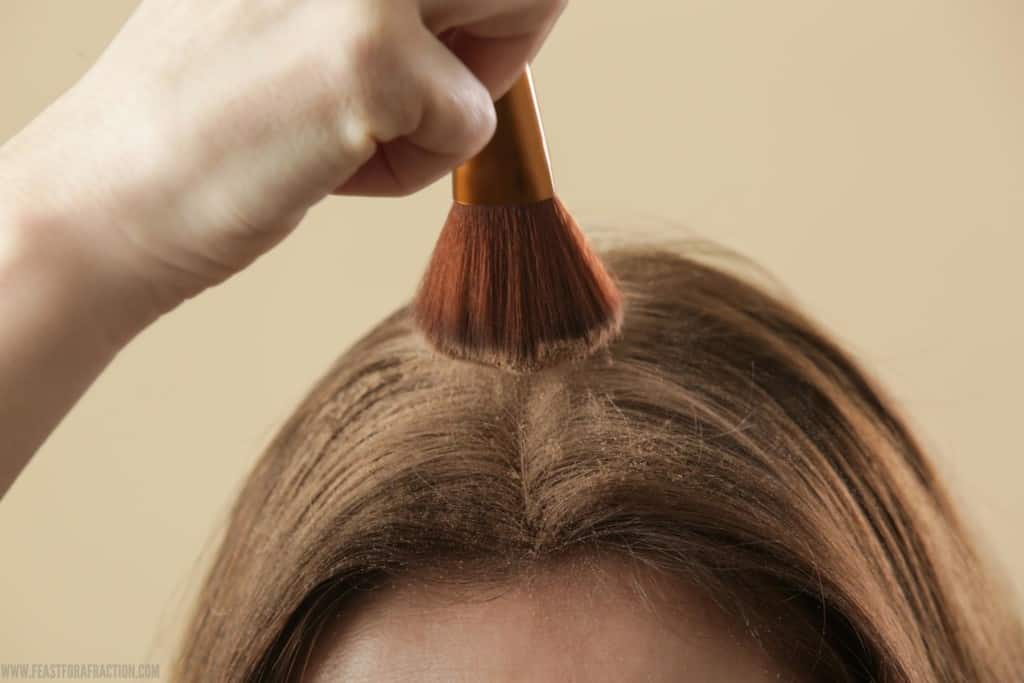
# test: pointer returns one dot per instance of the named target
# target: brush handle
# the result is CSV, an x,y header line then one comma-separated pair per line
x,y
513,168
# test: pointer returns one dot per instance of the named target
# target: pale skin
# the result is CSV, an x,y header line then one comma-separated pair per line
x,y
563,626
199,140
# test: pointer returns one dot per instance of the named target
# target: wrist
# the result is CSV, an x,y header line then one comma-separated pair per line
x,y
45,246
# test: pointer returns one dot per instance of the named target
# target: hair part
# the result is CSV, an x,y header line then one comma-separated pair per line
x,y
723,438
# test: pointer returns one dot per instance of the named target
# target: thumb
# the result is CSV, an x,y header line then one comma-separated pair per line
x,y
456,120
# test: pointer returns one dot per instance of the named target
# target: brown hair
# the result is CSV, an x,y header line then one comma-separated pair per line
x,y
723,438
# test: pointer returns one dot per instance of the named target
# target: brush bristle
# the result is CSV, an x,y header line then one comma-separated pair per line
x,y
517,287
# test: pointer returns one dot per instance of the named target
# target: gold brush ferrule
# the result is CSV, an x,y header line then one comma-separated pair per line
x,y
513,168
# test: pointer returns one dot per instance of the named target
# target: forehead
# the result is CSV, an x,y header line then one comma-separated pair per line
x,y
620,624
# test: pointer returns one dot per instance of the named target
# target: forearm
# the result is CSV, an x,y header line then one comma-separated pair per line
x,y
198,141
57,321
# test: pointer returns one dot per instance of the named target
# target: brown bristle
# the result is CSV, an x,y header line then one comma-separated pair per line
x,y
516,286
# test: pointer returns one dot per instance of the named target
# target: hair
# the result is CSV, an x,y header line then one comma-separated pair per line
x,y
722,438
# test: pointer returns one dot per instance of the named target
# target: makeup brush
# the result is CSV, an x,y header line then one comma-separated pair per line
x,y
512,281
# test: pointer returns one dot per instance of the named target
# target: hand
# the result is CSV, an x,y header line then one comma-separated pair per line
x,y
208,127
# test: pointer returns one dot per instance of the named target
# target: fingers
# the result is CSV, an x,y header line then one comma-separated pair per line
x,y
495,39
491,18
455,120
443,92
458,112
496,62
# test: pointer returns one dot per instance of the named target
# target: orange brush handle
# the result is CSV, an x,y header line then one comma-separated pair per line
x,y
514,167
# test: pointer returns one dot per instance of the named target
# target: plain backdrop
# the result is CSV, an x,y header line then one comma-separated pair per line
x,y
870,154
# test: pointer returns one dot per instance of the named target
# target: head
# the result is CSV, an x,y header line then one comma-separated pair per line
x,y
720,494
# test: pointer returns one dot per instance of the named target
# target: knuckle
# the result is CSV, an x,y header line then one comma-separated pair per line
x,y
363,95
365,47
354,141
379,81
392,108
354,40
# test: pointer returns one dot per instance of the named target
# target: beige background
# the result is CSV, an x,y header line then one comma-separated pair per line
x,y
870,154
